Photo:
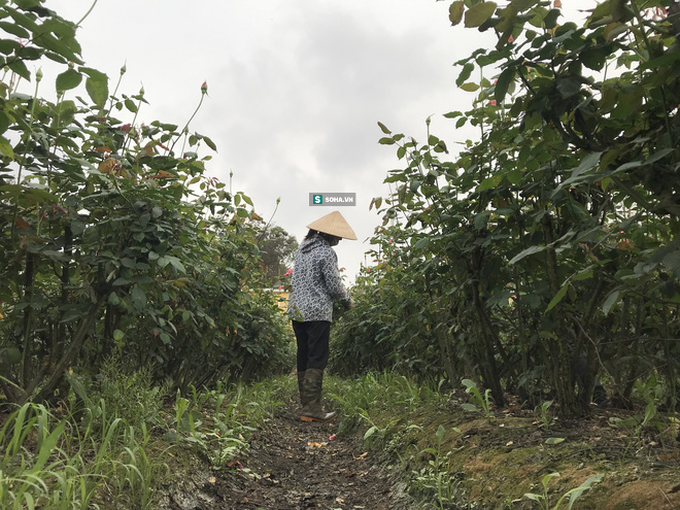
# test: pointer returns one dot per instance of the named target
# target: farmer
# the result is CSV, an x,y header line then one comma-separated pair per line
x,y
316,285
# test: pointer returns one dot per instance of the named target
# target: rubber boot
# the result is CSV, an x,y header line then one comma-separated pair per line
x,y
311,410
301,381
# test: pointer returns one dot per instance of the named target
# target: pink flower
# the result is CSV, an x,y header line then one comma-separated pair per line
x,y
289,272
511,38
280,287
492,102
204,88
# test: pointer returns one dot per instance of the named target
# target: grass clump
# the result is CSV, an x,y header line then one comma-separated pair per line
x,y
113,439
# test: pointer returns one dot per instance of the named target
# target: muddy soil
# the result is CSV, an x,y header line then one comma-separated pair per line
x,y
292,465
494,461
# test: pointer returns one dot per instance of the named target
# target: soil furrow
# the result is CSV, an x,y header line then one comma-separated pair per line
x,y
293,465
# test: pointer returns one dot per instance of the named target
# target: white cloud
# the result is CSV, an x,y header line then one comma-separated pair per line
x,y
295,88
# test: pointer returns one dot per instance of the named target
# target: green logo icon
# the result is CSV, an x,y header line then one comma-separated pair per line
x,y
317,199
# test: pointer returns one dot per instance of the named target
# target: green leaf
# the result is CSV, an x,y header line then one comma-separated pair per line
x,y
20,68
594,58
611,300
504,81
575,493
25,20
210,143
554,440
422,243
440,433
386,141
478,14
47,447
28,4
97,86
31,53
131,105
663,62
175,262
456,10
68,80
550,19
546,479
15,29
118,335
469,86
465,73
40,196
7,46
384,129
481,220
55,46
558,297
6,147
514,176
490,182
525,253
138,298
582,275
370,432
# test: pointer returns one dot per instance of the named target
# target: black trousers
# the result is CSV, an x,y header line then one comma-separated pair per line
x,y
312,344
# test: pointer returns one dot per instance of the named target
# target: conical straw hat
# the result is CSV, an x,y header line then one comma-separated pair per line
x,y
335,225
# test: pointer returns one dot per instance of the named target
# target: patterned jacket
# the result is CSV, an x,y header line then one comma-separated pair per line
x,y
316,282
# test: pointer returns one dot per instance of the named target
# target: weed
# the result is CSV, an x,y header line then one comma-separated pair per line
x,y
375,392
62,463
572,495
130,394
375,433
216,423
478,401
542,415
435,477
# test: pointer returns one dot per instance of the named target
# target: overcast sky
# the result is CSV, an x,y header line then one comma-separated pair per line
x,y
295,88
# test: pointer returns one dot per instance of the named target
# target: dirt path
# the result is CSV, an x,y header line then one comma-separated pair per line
x,y
293,465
